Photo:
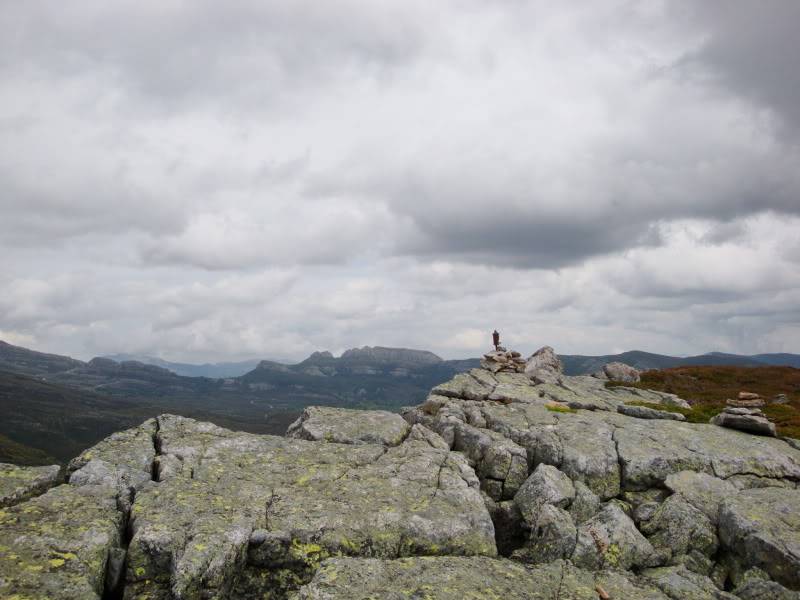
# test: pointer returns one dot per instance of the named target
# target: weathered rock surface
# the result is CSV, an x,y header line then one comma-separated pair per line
x,y
20,483
344,426
57,545
448,578
678,583
310,500
610,540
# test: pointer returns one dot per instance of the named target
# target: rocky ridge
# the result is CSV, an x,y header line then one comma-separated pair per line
x,y
499,485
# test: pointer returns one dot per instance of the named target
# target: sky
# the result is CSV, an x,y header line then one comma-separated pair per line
x,y
210,181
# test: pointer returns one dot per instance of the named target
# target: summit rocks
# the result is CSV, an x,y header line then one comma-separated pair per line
x,y
498,486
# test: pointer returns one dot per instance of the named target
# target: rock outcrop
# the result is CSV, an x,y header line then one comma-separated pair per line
x,y
20,483
321,423
498,486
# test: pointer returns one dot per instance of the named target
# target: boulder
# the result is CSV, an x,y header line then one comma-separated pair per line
x,y
643,412
680,533
544,366
21,483
751,423
610,540
761,527
348,426
546,485
618,371
585,505
466,385
552,536
703,491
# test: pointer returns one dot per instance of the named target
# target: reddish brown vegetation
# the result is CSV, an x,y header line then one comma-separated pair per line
x,y
707,388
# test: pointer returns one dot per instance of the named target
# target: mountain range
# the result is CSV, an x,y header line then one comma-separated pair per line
x,y
54,405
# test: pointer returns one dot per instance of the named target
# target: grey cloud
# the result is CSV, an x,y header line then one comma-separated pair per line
x,y
207,52
746,49
209,181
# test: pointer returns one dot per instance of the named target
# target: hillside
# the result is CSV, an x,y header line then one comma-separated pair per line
x,y
211,370
46,405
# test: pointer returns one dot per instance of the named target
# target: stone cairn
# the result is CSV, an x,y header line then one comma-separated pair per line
x,y
744,413
502,360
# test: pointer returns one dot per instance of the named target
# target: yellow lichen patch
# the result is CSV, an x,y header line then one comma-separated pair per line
x,y
66,555
611,555
200,547
56,562
35,568
311,554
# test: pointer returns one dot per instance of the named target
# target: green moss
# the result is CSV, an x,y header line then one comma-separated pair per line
x,y
552,407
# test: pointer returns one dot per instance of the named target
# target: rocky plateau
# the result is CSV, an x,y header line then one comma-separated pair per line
x,y
506,483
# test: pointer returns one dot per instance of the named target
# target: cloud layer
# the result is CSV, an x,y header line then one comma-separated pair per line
x,y
207,182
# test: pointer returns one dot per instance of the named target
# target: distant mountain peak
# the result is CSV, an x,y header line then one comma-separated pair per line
x,y
382,354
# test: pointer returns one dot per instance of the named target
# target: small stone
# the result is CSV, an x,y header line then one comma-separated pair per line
x,y
742,411
748,396
779,399
746,402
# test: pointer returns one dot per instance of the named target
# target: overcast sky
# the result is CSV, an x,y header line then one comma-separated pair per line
x,y
213,180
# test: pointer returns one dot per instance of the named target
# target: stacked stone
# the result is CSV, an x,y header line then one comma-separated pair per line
x,y
502,360
744,413
746,400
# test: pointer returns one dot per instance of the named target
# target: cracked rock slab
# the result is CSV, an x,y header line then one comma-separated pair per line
x,y
476,578
123,460
193,531
649,451
348,426
20,483
56,545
